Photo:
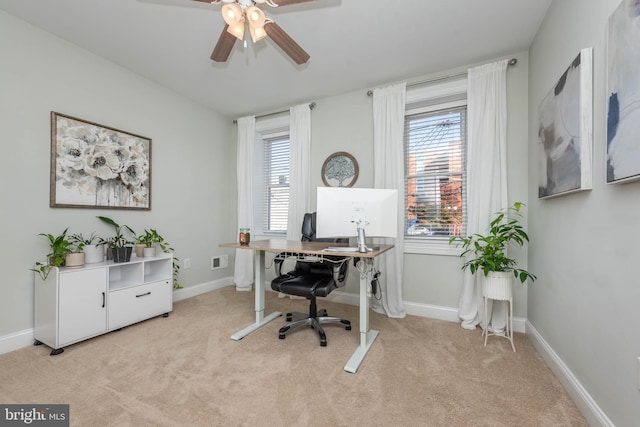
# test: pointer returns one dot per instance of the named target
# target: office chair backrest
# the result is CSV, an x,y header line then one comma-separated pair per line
x,y
309,235
309,231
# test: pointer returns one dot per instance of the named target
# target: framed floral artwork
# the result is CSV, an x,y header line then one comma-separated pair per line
x,y
96,166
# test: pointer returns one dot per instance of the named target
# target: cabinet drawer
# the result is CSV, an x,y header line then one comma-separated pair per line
x,y
131,305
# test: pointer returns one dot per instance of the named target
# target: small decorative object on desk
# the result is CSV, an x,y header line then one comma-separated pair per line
x,y
245,236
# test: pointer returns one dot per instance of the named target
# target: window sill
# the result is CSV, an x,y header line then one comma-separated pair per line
x,y
432,246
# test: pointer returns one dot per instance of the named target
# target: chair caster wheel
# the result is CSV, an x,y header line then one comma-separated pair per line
x,y
323,343
348,328
289,318
281,336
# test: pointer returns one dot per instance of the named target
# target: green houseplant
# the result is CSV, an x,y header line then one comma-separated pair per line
x,y
489,250
150,239
93,251
119,245
59,247
159,241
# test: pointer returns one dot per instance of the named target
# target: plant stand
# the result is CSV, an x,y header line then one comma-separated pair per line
x,y
498,286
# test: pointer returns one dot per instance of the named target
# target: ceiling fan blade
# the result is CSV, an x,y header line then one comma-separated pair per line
x,y
286,43
285,2
223,48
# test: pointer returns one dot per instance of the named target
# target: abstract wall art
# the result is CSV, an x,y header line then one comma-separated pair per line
x,y
623,93
565,130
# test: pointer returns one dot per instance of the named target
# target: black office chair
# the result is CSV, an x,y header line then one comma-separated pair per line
x,y
311,279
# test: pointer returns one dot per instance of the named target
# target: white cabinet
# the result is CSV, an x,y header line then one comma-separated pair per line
x,y
72,305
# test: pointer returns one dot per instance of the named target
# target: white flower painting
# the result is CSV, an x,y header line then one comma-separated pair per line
x,y
94,166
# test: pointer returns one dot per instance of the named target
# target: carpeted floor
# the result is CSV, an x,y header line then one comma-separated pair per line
x,y
184,370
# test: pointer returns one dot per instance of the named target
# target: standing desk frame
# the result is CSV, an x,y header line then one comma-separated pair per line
x,y
261,247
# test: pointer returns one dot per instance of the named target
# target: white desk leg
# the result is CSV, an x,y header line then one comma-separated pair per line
x,y
261,320
367,336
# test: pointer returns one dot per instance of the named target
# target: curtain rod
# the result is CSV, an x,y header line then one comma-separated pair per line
x,y
311,107
512,61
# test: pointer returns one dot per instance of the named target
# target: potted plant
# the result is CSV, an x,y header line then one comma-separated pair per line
x,y
119,246
75,259
149,239
91,247
159,242
489,250
140,245
59,248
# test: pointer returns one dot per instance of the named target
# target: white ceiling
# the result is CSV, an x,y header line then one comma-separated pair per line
x,y
354,44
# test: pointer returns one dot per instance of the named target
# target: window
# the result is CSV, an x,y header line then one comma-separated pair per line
x,y
276,184
271,177
435,190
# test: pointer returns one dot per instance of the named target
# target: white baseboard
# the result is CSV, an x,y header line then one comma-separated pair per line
x,y
16,341
192,291
422,310
583,400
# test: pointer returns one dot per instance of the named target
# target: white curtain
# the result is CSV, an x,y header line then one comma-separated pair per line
x,y
388,167
300,161
243,273
486,171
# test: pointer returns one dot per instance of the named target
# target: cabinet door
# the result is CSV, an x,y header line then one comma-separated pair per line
x,y
82,305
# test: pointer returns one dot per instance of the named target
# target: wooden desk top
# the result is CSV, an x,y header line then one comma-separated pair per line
x,y
310,248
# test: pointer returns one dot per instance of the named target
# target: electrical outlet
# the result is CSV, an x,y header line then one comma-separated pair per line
x,y
219,261
187,263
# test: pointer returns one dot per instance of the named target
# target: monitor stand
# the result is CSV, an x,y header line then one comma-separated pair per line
x,y
362,245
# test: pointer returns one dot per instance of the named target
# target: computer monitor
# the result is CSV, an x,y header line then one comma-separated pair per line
x,y
356,212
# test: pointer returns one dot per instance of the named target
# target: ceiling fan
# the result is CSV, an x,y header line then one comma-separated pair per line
x,y
239,14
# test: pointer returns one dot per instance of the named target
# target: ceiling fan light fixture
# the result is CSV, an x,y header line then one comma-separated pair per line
x,y
257,34
232,13
255,16
237,30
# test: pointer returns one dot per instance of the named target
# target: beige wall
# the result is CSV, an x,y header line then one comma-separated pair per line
x,y
586,301
193,153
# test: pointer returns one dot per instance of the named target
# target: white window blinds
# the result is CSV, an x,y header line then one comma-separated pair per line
x,y
276,184
435,190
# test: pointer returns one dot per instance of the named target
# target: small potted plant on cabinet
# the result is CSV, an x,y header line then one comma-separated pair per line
x,y
160,243
119,246
93,251
489,250
59,248
150,238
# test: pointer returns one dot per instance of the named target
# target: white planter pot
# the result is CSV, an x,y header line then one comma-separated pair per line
x,y
497,285
93,254
149,252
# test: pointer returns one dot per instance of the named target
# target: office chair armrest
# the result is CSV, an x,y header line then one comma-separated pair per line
x,y
278,261
340,272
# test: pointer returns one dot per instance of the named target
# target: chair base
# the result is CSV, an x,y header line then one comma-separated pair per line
x,y
314,322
